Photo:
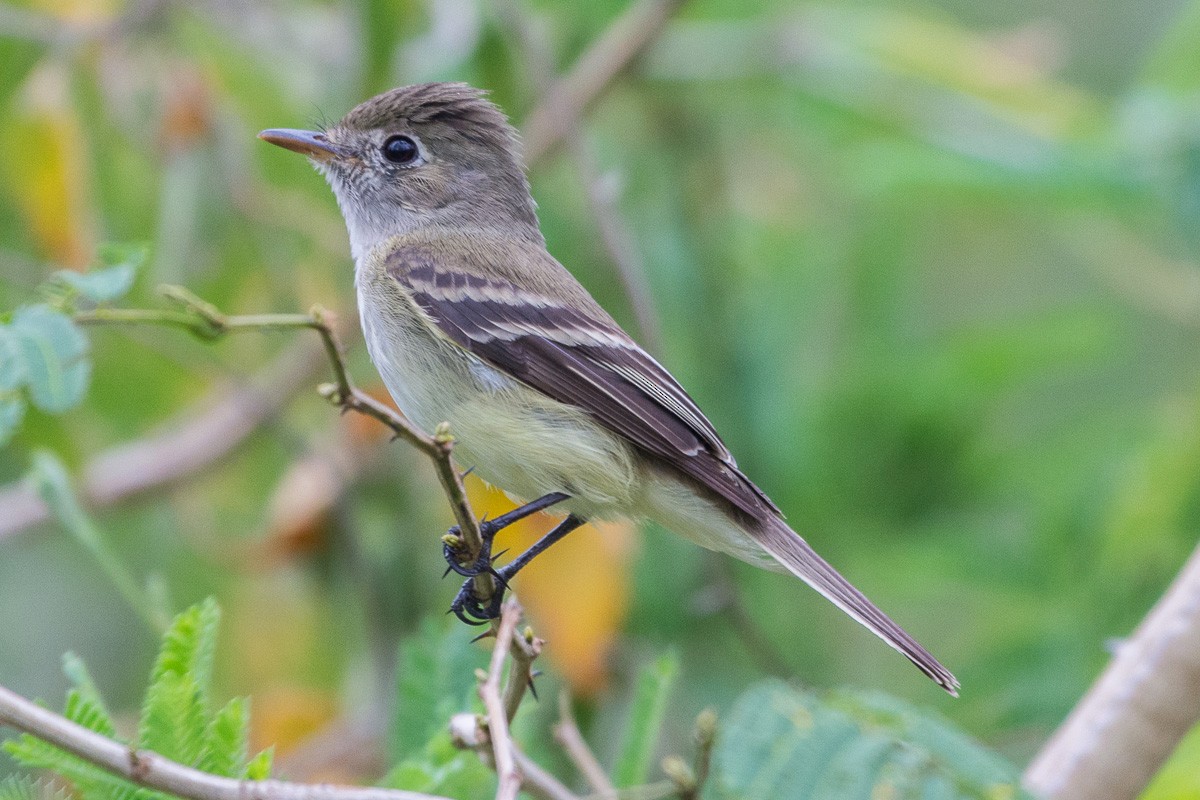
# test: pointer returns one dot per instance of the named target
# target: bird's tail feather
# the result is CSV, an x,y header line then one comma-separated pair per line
x,y
790,550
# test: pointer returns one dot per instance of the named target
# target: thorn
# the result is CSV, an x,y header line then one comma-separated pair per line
x,y
462,475
482,636
533,689
447,572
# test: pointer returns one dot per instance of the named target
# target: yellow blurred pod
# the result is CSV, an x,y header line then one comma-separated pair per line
x,y
51,180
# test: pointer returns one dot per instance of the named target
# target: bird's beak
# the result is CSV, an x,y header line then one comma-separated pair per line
x,y
310,143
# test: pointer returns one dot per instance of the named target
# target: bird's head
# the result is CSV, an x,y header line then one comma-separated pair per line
x,y
420,156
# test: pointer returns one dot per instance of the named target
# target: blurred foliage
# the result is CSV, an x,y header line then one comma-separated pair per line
x,y
783,744
930,266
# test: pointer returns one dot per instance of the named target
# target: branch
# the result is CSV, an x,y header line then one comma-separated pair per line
x,y
206,321
152,771
489,736
602,63
1132,718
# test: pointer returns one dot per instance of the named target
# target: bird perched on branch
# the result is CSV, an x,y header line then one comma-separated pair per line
x,y
471,321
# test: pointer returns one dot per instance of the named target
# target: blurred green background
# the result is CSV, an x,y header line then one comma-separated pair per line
x,y
930,267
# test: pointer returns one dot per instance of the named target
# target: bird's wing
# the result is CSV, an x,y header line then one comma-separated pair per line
x,y
578,358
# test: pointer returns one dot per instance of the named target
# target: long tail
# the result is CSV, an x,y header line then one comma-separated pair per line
x,y
801,560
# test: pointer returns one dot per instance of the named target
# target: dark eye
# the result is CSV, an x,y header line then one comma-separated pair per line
x,y
400,150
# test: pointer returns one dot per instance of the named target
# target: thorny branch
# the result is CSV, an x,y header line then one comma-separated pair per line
x,y
490,736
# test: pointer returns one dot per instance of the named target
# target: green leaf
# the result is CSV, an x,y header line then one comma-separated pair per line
x,y
175,719
441,769
435,679
259,768
100,285
649,706
84,705
227,740
90,781
189,643
119,263
53,354
20,788
783,744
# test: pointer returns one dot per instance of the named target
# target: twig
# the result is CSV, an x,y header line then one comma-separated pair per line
x,y
567,100
1132,718
489,736
705,734
497,715
525,649
152,771
618,241
206,321
567,734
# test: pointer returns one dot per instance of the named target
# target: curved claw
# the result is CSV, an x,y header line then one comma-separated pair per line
x,y
482,564
469,609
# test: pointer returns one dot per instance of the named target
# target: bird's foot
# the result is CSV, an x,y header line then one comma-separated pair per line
x,y
474,610
454,547
469,607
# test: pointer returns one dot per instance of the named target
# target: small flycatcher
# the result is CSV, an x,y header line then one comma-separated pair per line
x,y
471,321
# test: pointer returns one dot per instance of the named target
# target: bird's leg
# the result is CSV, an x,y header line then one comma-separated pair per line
x,y
452,543
470,609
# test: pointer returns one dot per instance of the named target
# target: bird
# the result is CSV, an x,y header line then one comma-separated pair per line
x,y
470,321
